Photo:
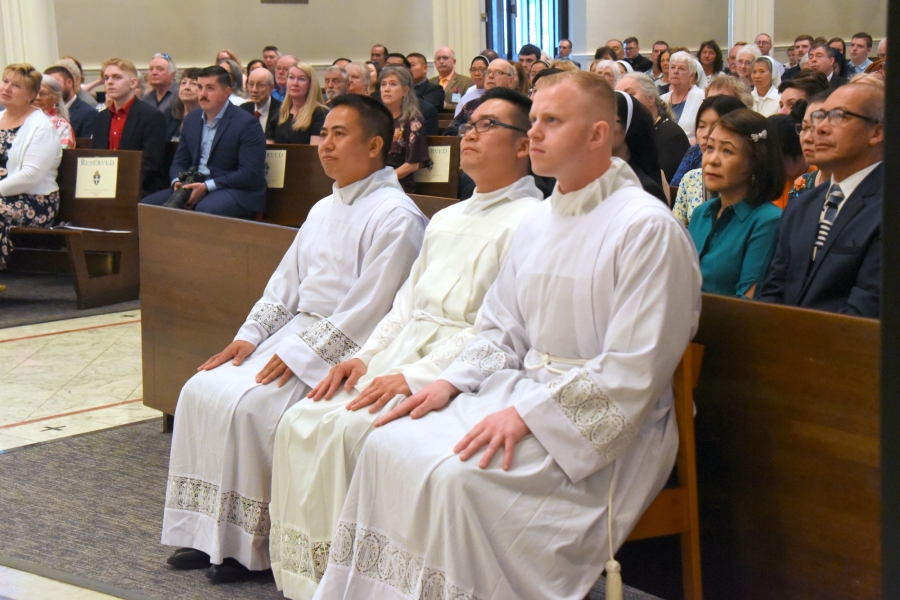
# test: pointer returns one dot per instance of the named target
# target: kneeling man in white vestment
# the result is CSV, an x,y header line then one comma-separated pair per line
x,y
318,441
567,389
336,282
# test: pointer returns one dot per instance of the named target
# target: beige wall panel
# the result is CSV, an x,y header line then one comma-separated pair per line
x,y
832,18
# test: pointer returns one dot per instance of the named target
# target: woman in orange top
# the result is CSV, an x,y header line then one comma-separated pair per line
x,y
795,164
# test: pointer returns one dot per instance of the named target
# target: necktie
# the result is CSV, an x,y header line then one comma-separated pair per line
x,y
832,202
256,114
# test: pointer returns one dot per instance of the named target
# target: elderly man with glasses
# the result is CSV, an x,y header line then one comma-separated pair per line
x,y
500,73
162,80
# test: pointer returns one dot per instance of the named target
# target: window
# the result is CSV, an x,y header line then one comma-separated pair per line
x,y
513,23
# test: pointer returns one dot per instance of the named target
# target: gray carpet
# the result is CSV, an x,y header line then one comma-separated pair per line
x,y
41,297
88,510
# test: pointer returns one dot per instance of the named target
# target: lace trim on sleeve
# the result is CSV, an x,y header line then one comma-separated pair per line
x,y
272,317
329,342
448,349
388,329
597,418
481,354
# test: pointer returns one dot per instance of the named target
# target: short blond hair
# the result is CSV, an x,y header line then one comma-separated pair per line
x,y
122,64
593,84
31,76
564,65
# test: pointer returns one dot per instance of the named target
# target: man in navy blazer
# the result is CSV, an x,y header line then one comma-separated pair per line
x,y
829,246
228,146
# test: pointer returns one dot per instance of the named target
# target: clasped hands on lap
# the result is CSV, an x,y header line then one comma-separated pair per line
x,y
239,350
198,191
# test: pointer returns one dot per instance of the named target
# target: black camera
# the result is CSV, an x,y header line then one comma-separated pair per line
x,y
180,196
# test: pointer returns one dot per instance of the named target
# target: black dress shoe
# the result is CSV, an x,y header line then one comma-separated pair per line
x,y
188,558
231,571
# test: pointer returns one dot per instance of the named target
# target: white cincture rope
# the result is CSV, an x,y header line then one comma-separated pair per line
x,y
421,315
547,360
614,589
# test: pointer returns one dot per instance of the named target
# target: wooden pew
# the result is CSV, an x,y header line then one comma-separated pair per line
x,y
787,409
447,187
105,264
305,183
788,452
83,143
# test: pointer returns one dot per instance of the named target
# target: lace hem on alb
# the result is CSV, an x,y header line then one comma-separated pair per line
x,y
447,350
329,342
596,417
388,329
297,554
272,317
373,555
481,354
195,495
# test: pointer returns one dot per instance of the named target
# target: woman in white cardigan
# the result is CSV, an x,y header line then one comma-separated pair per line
x,y
684,97
29,157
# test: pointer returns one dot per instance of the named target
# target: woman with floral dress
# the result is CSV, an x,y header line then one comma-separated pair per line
x,y
409,149
30,152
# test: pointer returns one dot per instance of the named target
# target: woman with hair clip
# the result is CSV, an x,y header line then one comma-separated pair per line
x,y
409,149
303,111
633,142
735,233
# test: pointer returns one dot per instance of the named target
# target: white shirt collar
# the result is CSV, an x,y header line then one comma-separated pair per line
x,y
522,188
581,202
72,101
382,178
851,182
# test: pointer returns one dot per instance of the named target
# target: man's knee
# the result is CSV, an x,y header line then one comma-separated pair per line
x,y
158,198
222,203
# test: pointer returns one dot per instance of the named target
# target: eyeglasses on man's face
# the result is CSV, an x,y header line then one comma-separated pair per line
x,y
836,116
484,125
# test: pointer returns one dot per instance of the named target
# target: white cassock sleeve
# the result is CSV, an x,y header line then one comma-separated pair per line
x,y
386,265
586,417
279,301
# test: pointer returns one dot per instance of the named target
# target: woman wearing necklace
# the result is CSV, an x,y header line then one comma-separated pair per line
x,y
684,97
30,152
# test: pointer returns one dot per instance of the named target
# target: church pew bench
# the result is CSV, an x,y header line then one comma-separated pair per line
x,y
446,186
104,262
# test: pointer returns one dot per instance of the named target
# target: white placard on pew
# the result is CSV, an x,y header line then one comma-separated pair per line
x,y
96,177
275,160
440,170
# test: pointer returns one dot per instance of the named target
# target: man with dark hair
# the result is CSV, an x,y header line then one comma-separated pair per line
x,y
397,60
431,316
378,55
427,92
341,62
489,54
333,286
564,52
81,114
633,55
528,55
829,248
659,47
129,124
821,59
860,47
227,147
803,87
270,56
617,47
802,45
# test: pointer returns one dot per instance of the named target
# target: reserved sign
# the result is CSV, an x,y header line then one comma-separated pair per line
x,y
274,169
440,168
96,177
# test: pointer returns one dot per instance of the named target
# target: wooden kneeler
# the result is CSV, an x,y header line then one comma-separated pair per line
x,y
675,510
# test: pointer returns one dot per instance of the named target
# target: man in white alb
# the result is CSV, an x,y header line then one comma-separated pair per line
x,y
336,282
570,374
318,441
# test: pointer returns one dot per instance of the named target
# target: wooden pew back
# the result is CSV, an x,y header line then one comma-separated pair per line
x,y
305,183
448,188
101,213
788,452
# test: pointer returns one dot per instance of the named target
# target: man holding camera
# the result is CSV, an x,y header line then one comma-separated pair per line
x,y
227,149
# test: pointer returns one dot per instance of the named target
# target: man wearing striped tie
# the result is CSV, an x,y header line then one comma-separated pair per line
x,y
829,248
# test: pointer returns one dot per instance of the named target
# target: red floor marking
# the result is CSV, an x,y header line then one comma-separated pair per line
x,y
29,337
74,412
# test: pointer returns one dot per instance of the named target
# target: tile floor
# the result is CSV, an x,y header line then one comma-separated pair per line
x,y
61,379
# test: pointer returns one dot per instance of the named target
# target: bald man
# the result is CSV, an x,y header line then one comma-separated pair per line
x,y
260,83
282,67
570,374
500,73
454,84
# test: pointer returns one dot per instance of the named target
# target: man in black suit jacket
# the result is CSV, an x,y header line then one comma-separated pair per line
x,y
227,145
829,242
426,91
129,124
821,59
263,107
82,116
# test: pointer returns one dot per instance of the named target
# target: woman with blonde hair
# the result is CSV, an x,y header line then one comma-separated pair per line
x,y
409,149
29,157
303,111
49,100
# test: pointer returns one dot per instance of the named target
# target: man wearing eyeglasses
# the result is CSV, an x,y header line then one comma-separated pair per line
x,y
161,77
829,249
640,64
821,59
500,73
454,84
432,318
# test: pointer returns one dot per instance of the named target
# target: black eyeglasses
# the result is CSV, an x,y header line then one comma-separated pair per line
x,y
484,125
836,116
